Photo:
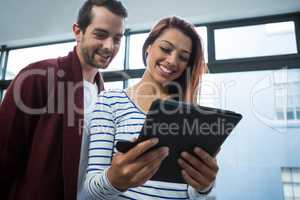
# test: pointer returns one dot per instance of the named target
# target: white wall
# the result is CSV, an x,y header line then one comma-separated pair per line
x,y
32,21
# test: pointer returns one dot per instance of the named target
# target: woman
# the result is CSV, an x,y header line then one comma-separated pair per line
x,y
174,63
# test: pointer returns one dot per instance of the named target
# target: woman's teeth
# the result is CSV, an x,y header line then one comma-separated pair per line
x,y
164,69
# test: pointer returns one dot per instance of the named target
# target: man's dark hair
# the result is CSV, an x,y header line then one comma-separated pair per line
x,y
85,15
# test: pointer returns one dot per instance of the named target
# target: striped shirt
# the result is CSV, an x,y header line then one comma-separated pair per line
x,y
115,118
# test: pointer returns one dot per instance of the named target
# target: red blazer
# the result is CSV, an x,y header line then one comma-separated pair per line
x,y
40,152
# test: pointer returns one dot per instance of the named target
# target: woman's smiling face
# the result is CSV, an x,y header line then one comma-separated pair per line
x,y
168,56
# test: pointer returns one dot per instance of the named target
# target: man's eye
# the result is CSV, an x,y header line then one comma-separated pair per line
x,y
117,40
101,36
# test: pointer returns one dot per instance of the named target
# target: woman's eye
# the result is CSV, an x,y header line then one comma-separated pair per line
x,y
184,58
165,49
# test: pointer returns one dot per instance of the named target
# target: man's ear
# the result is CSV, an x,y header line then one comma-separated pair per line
x,y
77,32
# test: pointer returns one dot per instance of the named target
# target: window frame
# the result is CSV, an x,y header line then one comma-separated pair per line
x,y
253,63
291,182
215,66
285,122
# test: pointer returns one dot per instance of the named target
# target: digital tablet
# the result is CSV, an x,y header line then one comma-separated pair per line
x,y
182,127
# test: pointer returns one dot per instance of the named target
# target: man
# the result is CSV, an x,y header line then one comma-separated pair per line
x,y
41,115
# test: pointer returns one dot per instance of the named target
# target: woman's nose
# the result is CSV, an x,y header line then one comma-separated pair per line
x,y
172,59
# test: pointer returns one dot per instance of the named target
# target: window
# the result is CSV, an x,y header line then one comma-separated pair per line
x,y
287,95
20,58
211,93
113,85
287,107
137,42
135,51
2,94
297,112
202,31
291,183
1,64
255,41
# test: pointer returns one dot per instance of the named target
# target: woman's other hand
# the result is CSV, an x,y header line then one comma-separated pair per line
x,y
199,170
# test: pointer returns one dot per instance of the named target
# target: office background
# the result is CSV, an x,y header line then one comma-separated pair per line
x,y
252,49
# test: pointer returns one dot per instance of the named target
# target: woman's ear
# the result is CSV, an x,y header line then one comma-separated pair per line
x,y
145,56
148,49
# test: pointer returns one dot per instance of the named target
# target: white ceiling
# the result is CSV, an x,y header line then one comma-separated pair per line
x,y
31,21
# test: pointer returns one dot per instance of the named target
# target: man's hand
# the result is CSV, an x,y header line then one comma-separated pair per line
x,y
134,168
199,171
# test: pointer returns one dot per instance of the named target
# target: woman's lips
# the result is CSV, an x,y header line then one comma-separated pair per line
x,y
165,70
